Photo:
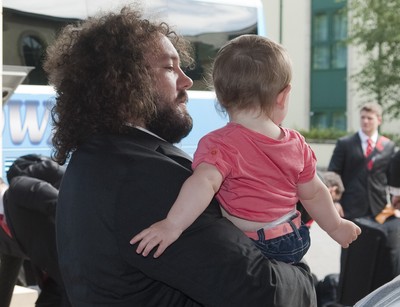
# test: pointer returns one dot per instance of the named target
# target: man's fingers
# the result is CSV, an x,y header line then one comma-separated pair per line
x,y
161,248
149,246
139,236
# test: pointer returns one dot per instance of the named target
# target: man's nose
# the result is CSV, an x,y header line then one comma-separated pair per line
x,y
184,82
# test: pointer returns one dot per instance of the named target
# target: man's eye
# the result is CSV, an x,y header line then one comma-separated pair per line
x,y
170,68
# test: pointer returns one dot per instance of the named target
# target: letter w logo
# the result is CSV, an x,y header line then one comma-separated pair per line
x,y
30,125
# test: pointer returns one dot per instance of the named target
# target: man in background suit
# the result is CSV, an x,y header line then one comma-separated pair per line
x,y
362,161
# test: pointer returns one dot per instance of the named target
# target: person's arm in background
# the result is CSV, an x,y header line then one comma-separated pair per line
x,y
37,166
33,194
35,178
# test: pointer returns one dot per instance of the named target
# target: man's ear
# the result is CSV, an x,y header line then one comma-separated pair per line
x,y
283,95
379,120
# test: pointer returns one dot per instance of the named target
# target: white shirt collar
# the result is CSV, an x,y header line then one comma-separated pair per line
x,y
365,137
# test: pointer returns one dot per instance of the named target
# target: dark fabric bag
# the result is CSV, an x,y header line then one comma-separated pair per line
x,y
326,290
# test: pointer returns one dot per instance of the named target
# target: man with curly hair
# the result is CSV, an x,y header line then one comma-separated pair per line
x,y
120,105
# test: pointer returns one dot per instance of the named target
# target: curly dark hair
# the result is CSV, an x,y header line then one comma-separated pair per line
x,y
102,81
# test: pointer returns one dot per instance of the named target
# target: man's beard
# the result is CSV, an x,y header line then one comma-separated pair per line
x,y
171,123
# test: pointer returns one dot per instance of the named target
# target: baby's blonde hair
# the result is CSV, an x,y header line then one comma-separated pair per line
x,y
249,72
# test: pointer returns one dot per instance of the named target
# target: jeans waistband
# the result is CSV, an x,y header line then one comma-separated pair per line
x,y
279,227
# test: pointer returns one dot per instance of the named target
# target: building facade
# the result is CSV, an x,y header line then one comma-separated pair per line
x,y
323,92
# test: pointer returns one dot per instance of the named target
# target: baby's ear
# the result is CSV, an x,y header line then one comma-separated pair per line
x,y
283,95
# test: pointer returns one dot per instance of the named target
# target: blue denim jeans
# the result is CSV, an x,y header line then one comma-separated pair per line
x,y
289,248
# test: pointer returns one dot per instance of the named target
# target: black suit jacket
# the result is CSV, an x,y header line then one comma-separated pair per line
x,y
394,171
115,186
365,190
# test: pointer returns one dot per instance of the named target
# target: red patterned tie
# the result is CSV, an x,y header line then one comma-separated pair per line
x,y
4,225
368,152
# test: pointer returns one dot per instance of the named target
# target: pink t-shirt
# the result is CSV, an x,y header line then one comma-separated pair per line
x,y
260,173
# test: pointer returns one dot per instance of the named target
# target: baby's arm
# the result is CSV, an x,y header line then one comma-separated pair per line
x,y
194,197
316,199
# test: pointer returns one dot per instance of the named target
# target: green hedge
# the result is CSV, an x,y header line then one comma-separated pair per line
x,y
331,135
323,135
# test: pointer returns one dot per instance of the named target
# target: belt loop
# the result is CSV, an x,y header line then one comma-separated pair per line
x,y
261,234
295,230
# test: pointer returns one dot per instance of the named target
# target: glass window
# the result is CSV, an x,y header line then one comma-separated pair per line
x,y
321,30
32,49
339,55
319,120
329,119
321,57
329,34
33,52
321,53
339,26
339,49
339,120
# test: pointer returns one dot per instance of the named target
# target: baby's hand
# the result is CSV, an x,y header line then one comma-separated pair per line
x,y
162,233
346,233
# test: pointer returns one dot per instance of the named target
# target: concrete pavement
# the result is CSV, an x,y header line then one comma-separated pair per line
x,y
323,257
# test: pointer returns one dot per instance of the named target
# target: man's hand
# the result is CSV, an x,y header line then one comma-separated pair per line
x,y
396,202
162,233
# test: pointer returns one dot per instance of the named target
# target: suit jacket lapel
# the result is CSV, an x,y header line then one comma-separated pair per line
x,y
359,148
